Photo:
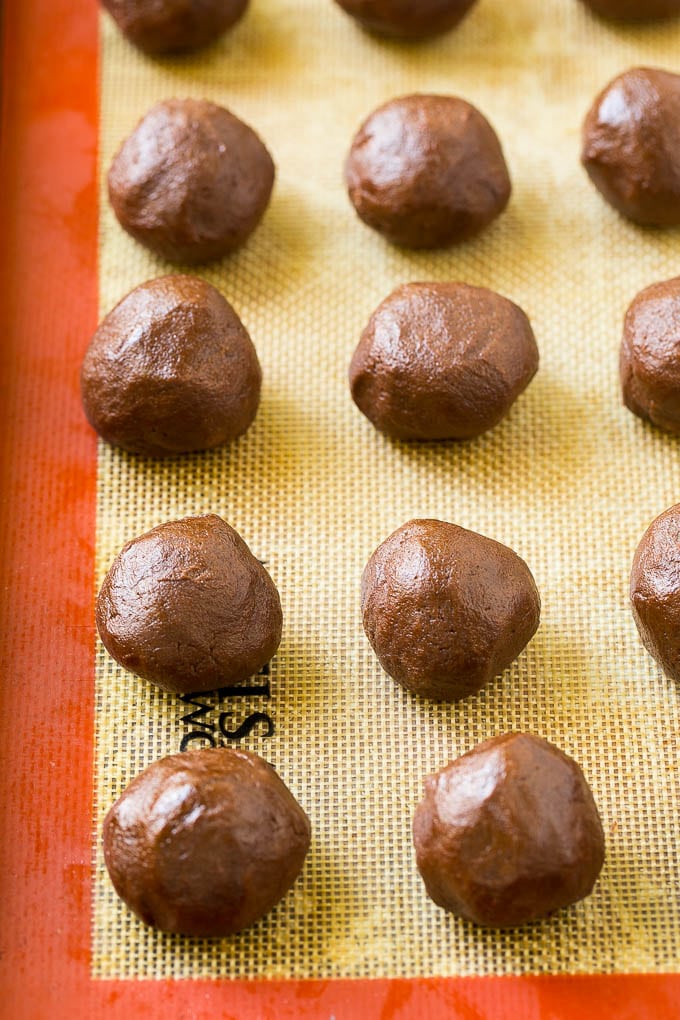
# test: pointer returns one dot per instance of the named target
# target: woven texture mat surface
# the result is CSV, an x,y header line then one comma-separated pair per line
x,y
570,480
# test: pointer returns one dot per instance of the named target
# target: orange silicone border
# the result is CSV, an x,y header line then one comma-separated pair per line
x,y
47,519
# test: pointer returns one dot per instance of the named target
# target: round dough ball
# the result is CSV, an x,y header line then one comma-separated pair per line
x,y
634,10
188,607
407,19
445,609
191,182
508,832
174,26
427,171
631,146
650,355
655,590
206,842
171,369
442,361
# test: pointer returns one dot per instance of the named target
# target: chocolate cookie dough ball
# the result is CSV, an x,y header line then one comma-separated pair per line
x,y
174,26
442,361
407,19
508,832
650,355
427,171
171,369
191,182
206,842
445,609
634,10
631,146
188,607
655,590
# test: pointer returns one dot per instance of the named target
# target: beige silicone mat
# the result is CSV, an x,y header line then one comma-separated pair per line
x,y
570,481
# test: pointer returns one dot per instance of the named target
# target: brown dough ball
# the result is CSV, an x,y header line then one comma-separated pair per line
x,y
407,19
445,609
634,10
631,146
188,607
508,832
174,26
171,369
442,361
650,355
655,590
206,842
191,182
427,171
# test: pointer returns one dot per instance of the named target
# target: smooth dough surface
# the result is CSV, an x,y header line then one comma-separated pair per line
x,y
171,369
446,609
427,171
205,842
188,607
191,182
508,833
631,146
174,26
442,361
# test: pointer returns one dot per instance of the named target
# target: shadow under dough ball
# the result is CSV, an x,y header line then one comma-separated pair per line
x,y
446,609
188,607
655,590
191,182
205,842
427,171
442,361
631,146
174,26
407,19
508,833
171,369
650,355
634,10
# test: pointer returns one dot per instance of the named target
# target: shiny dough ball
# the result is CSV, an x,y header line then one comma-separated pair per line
x,y
634,10
191,182
631,146
171,369
655,590
206,842
650,355
442,361
445,609
407,19
427,171
188,607
508,833
174,26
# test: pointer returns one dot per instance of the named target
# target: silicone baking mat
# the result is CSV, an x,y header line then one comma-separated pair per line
x,y
570,480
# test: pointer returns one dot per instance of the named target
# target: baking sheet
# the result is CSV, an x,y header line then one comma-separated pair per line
x,y
570,480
